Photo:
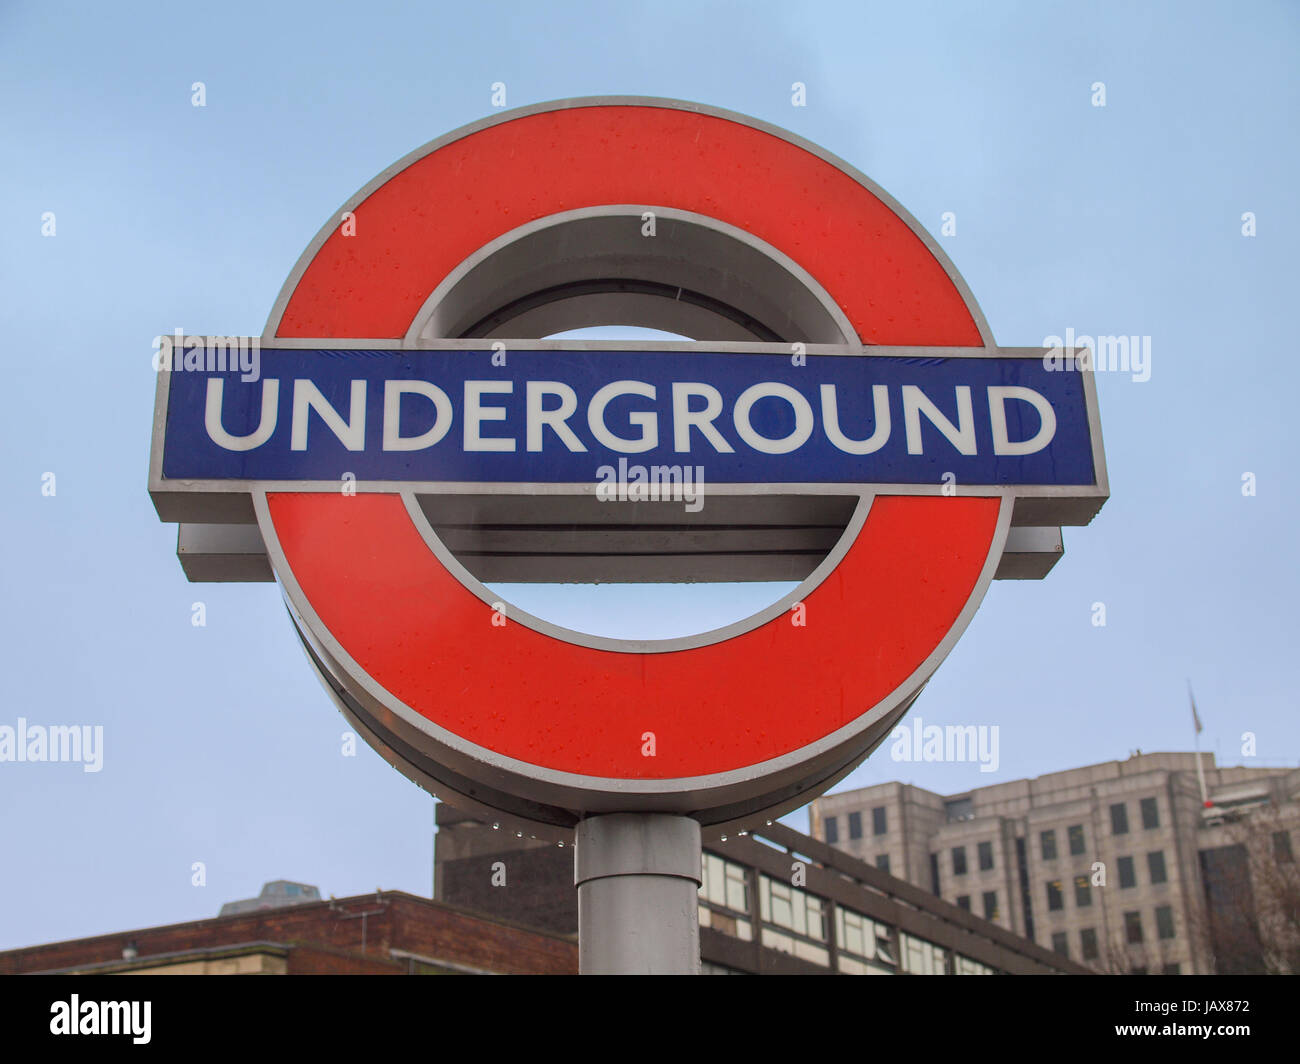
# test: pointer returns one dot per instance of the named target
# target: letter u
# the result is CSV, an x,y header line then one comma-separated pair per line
x,y
265,426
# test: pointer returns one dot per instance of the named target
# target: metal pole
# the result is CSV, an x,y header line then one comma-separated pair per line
x,y
638,880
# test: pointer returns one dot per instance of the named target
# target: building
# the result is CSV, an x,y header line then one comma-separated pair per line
x,y
773,901
277,893
385,933
1118,865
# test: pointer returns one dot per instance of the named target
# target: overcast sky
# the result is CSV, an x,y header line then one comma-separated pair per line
x,y
220,746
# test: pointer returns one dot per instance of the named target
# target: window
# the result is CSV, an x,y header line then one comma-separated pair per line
x,y
882,862
1119,819
986,856
1282,847
855,825
879,820
1170,969
1150,814
1127,877
863,940
959,809
725,884
792,908
1048,841
1076,839
959,860
1133,927
1060,943
1156,866
1088,941
832,831
921,957
1140,969
990,905
1164,922
1082,892
963,902
1055,899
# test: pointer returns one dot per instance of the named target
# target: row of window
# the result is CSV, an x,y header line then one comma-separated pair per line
x,y
1134,934
879,825
1150,813
1119,816
990,900
795,921
984,852
1156,873
1074,835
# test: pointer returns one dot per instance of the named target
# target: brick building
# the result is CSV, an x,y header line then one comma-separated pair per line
x,y
386,933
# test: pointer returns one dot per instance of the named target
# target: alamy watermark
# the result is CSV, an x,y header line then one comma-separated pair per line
x,y
658,483
209,354
916,741
1101,354
58,742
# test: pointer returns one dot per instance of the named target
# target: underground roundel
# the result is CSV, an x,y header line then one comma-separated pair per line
x,y
398,438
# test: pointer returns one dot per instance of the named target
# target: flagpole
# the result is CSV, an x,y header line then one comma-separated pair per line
x,y
1196,741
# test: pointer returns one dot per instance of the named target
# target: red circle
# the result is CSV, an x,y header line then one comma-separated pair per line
x,y
428,640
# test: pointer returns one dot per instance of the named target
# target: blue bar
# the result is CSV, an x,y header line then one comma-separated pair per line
x,y
190,451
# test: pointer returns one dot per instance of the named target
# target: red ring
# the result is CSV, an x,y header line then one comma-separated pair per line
x,y
764,694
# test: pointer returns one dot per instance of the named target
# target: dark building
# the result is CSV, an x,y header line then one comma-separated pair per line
x,y
773,901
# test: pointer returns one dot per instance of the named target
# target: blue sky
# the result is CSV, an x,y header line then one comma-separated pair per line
x,y
220,746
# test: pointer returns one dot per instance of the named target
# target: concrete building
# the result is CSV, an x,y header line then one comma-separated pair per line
x,y
1116,865
773,901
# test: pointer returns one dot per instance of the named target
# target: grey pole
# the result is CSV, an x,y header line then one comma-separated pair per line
x,y
638,879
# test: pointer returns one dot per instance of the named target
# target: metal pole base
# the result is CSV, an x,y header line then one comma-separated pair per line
x,y
638,878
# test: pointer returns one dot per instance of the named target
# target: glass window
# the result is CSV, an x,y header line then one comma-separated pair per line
x,y
986,856
855,825
1170,969
1150,813
1082,892
1060,943
879,820
1282,847
724,884
959,809
921,957
882,862
1156,866
1088,940
963,902
1075,833
1119,819
1165,922
1055,900
959,860
792,908
1133,927
1048,841
1127,877
990,905
861,937
832,830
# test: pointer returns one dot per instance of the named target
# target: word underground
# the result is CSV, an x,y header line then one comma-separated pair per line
x,y
659,483
102,1017
953,742
59,742
477,408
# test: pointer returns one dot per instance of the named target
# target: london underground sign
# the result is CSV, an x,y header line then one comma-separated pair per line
x,y
398,435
